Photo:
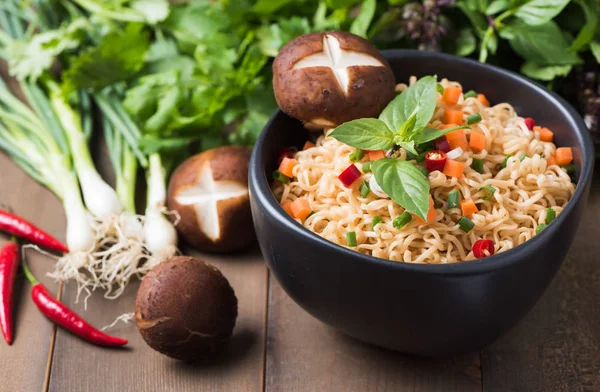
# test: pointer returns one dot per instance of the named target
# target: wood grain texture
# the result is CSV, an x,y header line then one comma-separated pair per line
x,y
23,365
305,355
557,346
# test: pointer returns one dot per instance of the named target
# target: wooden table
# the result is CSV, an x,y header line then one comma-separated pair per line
x,y
278,347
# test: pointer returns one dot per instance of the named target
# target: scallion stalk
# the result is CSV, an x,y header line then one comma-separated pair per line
x,y
550,215
490,191
351,238
453,199
477,165
473,119
376,220
470,94
364,189
402,220
357,156
465,224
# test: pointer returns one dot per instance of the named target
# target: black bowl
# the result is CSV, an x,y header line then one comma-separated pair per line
x,y
430,310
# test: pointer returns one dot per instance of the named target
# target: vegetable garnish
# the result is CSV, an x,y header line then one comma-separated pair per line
x,y
402,220
546,135
453,199
490,191
570,168
366,167
351,238
539,228
457,152
442,144
477,165
529,123
523,157
279,176
349,175
423,170
468,207
477,141
473,118
375,155
550,215
364,189
357,156
435,160
439,88
465,224
470,94
483,248
286,167
505,161
454,168
563,156
376,220
451,95
300,209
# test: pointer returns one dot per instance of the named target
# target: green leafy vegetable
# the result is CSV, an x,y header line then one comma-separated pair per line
x,y
545,72
537,12
466,43
429,134
363,20
365,133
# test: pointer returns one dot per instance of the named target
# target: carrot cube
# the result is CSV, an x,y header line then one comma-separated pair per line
x,y
308,145
457,139
300,209
563,155
477,141
452,116
431,215
454,168
468,207
546,135
376,154
287,207
483,100
451,95
287,166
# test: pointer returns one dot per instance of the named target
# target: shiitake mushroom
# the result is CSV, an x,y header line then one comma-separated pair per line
x,y
186,309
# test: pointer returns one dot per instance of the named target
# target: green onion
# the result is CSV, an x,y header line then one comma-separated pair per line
x,y
279,176
366,167
364,189
423,170
453,199
357,155
466,224
470,94
402,220
550,215
376,220
311,214
523,158
490,189
477,165
439,88
570,168
351,238
473,119
539,228
505,161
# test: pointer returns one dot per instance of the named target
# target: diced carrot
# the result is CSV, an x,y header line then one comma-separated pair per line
x,y
431,215
376,154
563,155
287,166
457,139
454,168
308,145
468,207
477,141
546,135
300,209
452,116
287,207
483,100
550,161
451,95
446,126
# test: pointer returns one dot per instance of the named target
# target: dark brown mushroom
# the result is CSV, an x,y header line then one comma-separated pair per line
x,y
325,79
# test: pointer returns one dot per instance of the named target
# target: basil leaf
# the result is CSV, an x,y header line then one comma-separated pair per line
x,y
465,42
420,98
365,133
408,128
429,134
497,6
543,44
404,183
586,34
545,72
595,47
537,12
408,146
477,19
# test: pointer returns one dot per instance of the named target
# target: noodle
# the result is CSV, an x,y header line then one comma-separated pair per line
x,y
524,189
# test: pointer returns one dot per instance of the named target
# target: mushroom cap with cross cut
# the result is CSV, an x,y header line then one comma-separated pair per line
x,y
327,78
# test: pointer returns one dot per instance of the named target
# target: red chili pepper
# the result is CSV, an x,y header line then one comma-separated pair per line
x,y
9,264
61,315
349,175
19,227
435,160
480,246
442,144
529,123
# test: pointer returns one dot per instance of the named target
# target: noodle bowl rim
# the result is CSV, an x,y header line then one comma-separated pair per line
x,y
261,190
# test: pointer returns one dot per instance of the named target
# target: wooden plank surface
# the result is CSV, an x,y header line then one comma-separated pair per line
x,y
557,347
23,365
305,355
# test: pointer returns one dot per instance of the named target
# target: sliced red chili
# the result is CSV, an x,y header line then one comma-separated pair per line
x,y
529,123
435,160
349,175
481,246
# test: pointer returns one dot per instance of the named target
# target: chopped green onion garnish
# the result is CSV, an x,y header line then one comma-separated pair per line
x,y
366,167
423,170
522,158
503,164
279,176
439,88
465,224
539,228
477,165
402,220
357,155
351,238
453,199
550,215
473,118
376,220
490,191
311,214
470,94
364,189
570,168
